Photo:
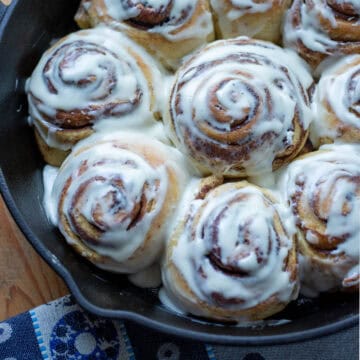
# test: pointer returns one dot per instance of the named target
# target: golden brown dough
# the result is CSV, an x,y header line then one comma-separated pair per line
x,y
232,256
240,107
317,29
169,30
115,196
260,19
323,191
87,77
336,103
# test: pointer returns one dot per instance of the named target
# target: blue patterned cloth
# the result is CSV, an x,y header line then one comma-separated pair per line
x,y
62,330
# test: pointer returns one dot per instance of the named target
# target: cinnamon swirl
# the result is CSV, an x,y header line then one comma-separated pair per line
x,y
115,195
240,107
321,28
232,255
87,77
323,190
337,103
169,29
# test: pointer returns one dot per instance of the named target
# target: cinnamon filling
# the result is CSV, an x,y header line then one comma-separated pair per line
x,y
148,16
343,8
66,57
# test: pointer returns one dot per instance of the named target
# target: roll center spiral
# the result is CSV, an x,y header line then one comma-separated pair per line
x,y
239,243
343,7
111,197
231,102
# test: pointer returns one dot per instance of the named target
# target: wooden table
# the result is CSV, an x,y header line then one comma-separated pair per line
x,y
26,280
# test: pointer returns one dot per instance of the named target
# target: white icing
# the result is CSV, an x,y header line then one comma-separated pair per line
x,y
237,109
244,215
50,134
120,10
245,68
313,279
170,302
201,28
339,86
116,78
330,172
269,181
352,277
187,199
49,176
231,16
172,28
105,165
310,30
239,8
154,130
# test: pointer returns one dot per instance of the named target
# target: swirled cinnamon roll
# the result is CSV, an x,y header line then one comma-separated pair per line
x,y
323,190
115,195
321,28
232,255
240,107
260,19
87,77
337,103
169,29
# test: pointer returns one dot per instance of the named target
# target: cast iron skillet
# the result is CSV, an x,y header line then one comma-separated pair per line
x,y
26,29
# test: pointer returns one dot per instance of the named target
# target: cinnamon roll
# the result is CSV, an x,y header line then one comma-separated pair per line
x,y
232,255
323,190
260,19
169,29
337,103
321,28
114,198
240,107
87,77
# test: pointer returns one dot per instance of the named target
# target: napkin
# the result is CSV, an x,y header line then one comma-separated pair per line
x,y
62,330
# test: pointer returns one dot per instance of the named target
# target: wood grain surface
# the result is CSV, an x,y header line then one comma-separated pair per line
x,y
26,280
